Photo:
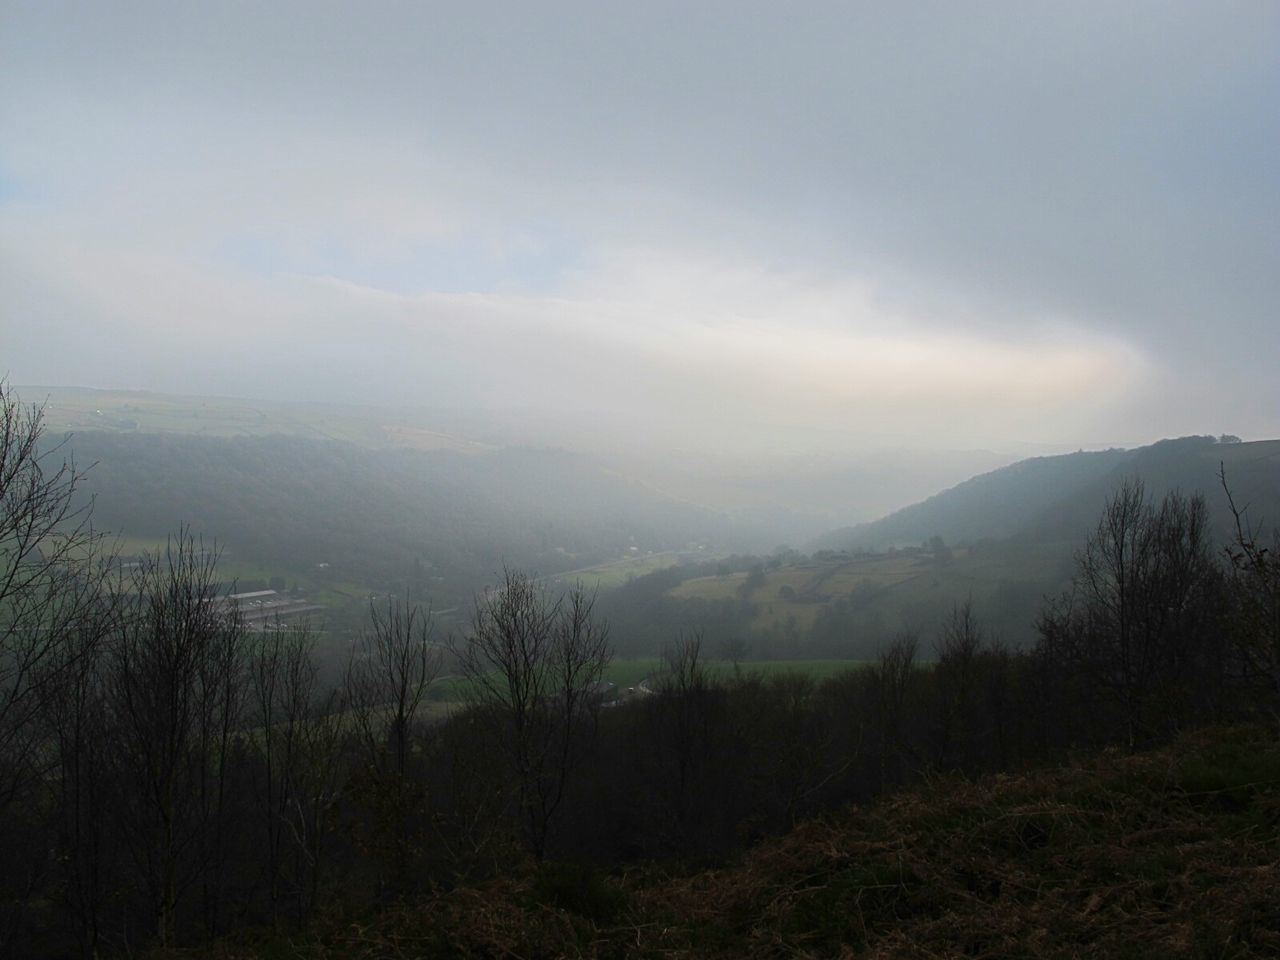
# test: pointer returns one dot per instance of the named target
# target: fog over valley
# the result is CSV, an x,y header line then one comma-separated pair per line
x,y
670,479
731,229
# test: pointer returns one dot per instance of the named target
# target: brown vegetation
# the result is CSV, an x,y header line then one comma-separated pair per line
x,y
1171,853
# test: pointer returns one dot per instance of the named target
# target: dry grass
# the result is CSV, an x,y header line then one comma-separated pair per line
x,y
1173,853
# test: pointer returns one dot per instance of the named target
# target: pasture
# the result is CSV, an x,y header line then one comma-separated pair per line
x,y
615,573
911,591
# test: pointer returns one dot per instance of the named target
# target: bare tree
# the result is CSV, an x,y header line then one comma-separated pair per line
x,y
955,682
684,713
314,806
52,568
735,650
891,679
386,682
295,739
1255,605
792,744
536,662
88,845
174,689
1138,619
684,668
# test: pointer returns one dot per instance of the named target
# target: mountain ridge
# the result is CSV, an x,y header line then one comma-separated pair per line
x,y
1058,496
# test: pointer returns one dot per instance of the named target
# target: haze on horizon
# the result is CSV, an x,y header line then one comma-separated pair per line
x,y
721,226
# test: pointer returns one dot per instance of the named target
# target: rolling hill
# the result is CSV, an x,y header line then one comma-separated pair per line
x,y
436,523
1059,498
1010,537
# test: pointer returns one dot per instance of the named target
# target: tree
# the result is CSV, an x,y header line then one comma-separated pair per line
x,y
684,712
790,736
955,683
52,573
684,668
386,682
174,701
88,845
55,600
387,677
1139,619
892,677
1255,606
296,739
734,649
941,552
535,663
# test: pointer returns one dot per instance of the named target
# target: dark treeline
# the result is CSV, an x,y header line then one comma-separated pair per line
x,y
169,776
645,615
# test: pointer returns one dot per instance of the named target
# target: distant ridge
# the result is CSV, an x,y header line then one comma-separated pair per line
x,y
1060,497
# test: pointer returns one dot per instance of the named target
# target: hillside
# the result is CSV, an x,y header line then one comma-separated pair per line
x,y
783,497
849,606
1055,498
81,409
1009,539
1173,853
438,523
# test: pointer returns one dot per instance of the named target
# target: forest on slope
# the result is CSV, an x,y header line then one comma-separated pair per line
x,y
435,524
1053,498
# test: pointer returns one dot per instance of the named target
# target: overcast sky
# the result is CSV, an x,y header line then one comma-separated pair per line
x,y
950,223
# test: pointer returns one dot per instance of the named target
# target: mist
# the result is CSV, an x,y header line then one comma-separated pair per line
x,y
727,230
513,479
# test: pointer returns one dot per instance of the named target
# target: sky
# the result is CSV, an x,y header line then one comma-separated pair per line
x,y
728,225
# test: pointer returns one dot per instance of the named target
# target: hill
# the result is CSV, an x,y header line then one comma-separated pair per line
x,y
1056,498
784,497
83,409
1173,853
1008,539
837,605
437,523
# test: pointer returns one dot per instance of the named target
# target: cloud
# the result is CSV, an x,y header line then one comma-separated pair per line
x,y
1045,223
676,347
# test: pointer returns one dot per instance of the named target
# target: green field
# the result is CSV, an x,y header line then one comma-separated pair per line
x,y
911,591
629,673
795,593
232,570
818,669
615,573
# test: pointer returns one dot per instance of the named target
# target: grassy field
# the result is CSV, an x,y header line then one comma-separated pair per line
x,y
234,570
910,590
629,673
605,576
795,593
813,581
818,669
